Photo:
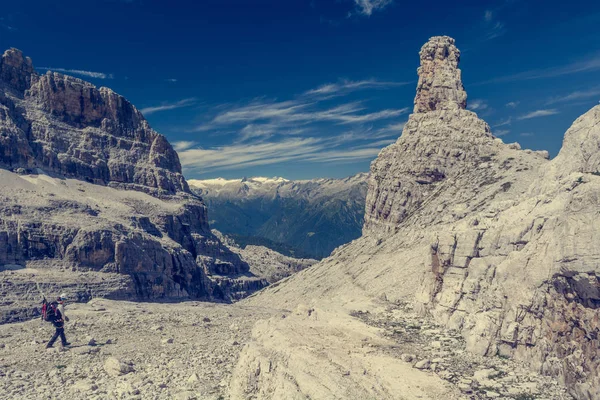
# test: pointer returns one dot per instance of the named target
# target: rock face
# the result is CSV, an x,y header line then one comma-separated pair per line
x,y
581,148
298,218
67,126
440,86
88,186
495,242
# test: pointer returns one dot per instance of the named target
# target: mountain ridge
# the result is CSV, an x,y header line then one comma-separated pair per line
x,y
312,216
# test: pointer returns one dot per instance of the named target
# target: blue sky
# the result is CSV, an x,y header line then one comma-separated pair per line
x,y
314,88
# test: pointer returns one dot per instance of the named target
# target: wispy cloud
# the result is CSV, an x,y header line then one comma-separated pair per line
x,y
246,155
576,95
172,80
183,145
477,105
5,23
538,113
501,132
488,15
493,27
396,127
588,65
346,86
512,104
527,134
295,112
168,106
315,126
238,156
89,74
505,122
367,7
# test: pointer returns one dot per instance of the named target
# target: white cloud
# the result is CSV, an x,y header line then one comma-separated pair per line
x,y
346,86
263,131
246,155
512,104
310,128
172,80
90,74
310,149
164,107
577,95
183,145
286,114
588,65
396,127
501,132
538,113
505,122
527,134
477,105
366,7
488,15
492,27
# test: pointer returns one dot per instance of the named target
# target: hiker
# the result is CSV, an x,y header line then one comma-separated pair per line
x,y
58,319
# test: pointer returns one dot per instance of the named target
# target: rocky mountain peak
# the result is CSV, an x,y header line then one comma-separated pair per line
x,y
440,86
65,125
15,69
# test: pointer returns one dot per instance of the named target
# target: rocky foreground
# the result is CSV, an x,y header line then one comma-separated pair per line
x,y
125,350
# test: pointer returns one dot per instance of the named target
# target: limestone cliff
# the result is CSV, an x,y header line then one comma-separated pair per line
x,y
87,185
65,125
495,242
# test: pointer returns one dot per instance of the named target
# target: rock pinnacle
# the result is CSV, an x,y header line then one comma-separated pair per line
x,y
440,86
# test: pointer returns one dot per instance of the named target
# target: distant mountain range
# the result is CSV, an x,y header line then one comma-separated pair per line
x,y
307,218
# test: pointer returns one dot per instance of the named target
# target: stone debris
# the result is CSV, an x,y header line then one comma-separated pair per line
x,y
136,366
115,367
480,377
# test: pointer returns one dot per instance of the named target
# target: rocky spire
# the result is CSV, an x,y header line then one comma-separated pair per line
x,y
440,86
15,69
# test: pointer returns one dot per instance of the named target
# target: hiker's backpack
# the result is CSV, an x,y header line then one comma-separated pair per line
x,y
49,311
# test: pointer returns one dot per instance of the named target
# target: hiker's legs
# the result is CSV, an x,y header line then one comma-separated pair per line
x,y
57,333
63,339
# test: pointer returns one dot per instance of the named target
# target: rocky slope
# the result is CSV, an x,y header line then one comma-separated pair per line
x,y
128,350
88,186
493,242
266,263
310,218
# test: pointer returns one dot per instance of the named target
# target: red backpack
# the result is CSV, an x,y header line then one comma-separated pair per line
x,y
49,311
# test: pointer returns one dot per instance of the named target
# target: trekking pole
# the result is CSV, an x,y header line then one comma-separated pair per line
x,y
44,302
